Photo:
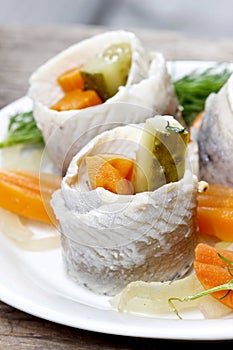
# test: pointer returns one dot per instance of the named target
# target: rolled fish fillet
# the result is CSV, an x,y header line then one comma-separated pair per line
x,y
148,90
109,240
215,137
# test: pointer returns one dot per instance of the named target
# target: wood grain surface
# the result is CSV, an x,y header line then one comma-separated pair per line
x,y
22,50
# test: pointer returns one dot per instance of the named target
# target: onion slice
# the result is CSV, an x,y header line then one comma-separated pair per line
x,y
12,226
151,299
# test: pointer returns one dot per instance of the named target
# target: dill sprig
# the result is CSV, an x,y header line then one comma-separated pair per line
x,y
193,89
22,129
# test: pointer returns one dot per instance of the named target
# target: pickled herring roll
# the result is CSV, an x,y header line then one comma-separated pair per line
x,y
74,91
127,207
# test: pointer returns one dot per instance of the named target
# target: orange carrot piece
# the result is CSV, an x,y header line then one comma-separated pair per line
x,y
124,166
208,254
211,270
108,177
215,212
71,80
211,276
103,173
27,194
77,99
211,201
216,222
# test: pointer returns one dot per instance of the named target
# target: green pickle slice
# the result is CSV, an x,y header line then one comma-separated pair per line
x,y
108,70
160,158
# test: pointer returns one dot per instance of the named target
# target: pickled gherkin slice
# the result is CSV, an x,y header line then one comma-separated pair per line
x,y
108,70
160,158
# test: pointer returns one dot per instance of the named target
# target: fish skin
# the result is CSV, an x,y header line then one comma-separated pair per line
x,y
110,240
215,138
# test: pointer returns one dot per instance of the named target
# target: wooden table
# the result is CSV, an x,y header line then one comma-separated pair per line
x,y
22,50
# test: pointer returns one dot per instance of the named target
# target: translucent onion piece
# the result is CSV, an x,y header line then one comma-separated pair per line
x,y
28,158
21,158
12,226
152,298
212,308
224,245
39,244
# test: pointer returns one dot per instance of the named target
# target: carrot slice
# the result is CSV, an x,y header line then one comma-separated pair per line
x,y
123,165
216,222
208,254
215,212
27,194
210,201
111,179
77,99
71,80
212,271
112,174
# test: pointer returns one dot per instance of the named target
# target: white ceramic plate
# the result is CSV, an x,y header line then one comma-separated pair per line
x,y
35,282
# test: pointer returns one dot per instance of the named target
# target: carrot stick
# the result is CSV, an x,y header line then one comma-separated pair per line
x,y
27,194
216,222
215,212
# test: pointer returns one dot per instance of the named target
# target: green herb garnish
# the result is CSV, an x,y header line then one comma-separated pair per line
x,y
193,89
22,129
174,128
